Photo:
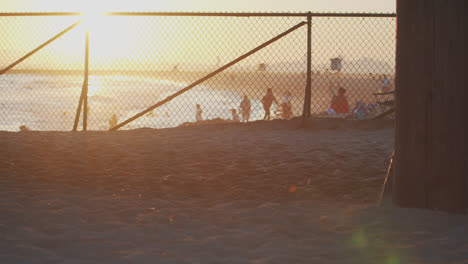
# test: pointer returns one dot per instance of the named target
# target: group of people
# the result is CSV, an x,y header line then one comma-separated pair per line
x,y
245,108
285,106
339,103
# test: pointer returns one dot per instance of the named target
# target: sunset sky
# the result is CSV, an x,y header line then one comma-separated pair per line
x,y
200,5
172,40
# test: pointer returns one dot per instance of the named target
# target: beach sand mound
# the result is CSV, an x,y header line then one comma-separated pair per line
x,y
262,192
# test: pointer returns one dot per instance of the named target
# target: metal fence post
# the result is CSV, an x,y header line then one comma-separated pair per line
x,y
84,91
85,85
308,92
78,112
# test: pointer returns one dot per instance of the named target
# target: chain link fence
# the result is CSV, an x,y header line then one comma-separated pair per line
x,y
139,59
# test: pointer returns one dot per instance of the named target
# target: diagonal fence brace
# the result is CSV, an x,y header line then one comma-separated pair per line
x,y
39,48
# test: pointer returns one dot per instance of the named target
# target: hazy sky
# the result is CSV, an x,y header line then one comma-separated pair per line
x,y
200,5
354,39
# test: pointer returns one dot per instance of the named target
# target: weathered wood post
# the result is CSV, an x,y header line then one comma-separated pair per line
x,y
431,137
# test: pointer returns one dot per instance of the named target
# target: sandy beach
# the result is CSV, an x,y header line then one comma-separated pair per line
x,y
262,192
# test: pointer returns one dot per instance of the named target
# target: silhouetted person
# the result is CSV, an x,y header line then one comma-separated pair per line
x,y
235,116
245,109
113,121
385,84
267,101
286,106
198,114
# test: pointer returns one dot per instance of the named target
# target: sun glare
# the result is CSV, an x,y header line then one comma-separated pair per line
x,y
92,18
94,85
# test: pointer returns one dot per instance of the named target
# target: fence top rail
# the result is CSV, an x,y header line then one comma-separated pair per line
x,y
213,14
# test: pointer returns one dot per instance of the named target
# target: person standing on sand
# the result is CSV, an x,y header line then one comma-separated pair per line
x,y
235,116
198,114
245,109
113,121
267,101
385,84
286,106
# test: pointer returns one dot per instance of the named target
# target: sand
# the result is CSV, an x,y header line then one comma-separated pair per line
x,y
263,192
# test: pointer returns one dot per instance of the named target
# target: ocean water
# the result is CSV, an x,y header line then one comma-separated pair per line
x,y
49,102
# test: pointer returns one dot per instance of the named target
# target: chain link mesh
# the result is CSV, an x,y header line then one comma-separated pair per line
x,y
137,61
358,55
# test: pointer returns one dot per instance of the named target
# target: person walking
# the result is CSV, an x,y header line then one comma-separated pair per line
x,y
198,113
235,116
267,101
245,109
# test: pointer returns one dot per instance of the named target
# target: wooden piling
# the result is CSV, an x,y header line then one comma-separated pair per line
x,y
431,133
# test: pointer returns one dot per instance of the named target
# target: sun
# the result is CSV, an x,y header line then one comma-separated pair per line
x,y
92,18
116,41
93,12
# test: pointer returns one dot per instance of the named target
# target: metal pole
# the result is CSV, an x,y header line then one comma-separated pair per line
x,y
78,111
387,178
309,63
84,88
39,48
85,85
169,98
308,90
